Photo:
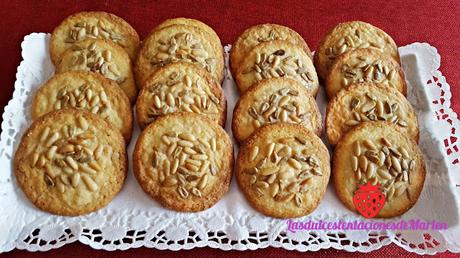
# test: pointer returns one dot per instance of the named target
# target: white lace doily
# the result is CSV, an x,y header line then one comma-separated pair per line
x,y
134,220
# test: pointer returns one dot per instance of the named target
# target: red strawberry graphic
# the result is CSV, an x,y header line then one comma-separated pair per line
x,y
369,200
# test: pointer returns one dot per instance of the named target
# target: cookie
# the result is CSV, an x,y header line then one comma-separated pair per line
x,y
348,36
85,90
100,25
273,101
283,170
379,154
181,87
184,161
274,59
257,34
71,162
369,102
103,57
179,43
364,65
190,22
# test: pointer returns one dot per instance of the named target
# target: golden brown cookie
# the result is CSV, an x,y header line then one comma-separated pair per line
x,y
257,34
348,36
379,154
71,162
184,161
369,102
283,170
274,59
103,57
190,22
179,43
272,101
364,65
100,25
181,87
85,90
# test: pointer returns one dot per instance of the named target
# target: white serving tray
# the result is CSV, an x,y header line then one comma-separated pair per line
x,y
133,219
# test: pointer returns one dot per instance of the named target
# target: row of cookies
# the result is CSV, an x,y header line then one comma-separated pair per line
x,y
183,158
369,121
283,167
180,68
358,53
73,159
277,65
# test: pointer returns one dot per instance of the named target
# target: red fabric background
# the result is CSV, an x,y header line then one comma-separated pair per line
x,y
435,22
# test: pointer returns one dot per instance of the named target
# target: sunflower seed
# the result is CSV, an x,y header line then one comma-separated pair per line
x,y
371,169
203,182
316,171
354,103
402,123
51,152
261,184
35,159
196,192
391,75
88,170
354,163
369,144
357,148
396,164
71,162
284,197
294,163
400,190
51,139
363,163
44,134
358,175
268,171
383,173
254,152
89,182
412,165
49,181
183,192
312,161
274,189
351,122
75,179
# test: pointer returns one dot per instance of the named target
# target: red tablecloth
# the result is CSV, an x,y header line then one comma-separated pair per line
x,y
435,22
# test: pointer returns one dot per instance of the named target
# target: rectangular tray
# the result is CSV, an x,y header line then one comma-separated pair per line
x,y
133,219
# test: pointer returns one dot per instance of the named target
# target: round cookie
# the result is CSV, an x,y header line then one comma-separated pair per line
x,y
348,36
181,87
369,102
364,65
184,161
379,154
283,170
85,90
103,57
254,35
190,22
179,43
272,101
101,25
274,59
71,162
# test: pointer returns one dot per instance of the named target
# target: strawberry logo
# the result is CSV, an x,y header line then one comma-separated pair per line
x,y
369,200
